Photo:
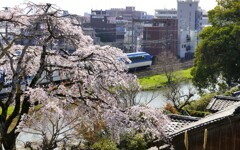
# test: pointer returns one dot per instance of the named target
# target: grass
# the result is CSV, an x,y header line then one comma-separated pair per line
x,y
158,81
10,110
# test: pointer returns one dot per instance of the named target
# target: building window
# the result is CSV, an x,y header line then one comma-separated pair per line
x,y
190,4
148,36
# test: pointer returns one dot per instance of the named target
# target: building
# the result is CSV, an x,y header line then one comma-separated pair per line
x,y
219,130
165,13
129,13
221,102
133,26
189,16
162,36
118,27
91,32
178,122
213,132
134,34
105,28
204,21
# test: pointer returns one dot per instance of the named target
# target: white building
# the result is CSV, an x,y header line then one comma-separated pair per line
x,y
189,16
165,13
204,21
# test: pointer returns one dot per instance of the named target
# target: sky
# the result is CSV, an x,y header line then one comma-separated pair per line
x,y
81,6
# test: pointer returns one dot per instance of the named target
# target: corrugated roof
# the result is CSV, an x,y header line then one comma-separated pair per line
x,y
220,115
221,102
178,122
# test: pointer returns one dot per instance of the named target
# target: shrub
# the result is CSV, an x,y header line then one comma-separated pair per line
x,y
197,108
229,92
105,144
197,113
93,134
201,104
169,109
130,141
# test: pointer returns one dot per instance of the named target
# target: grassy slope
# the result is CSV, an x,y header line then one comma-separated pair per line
x,y
158,81
10,111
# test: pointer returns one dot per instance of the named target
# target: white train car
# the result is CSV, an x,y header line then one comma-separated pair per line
x,y
43,80
139,60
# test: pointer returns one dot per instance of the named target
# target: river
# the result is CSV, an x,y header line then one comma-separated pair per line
x,y
157,99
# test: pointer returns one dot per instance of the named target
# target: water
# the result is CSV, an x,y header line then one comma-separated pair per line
x,y
157,99
23,138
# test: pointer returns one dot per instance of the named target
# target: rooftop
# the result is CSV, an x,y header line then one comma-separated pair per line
x,y
178,122
230,111
221,102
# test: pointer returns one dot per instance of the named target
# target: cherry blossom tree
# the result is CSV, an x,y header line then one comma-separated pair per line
x,y
58,124
168,63
36,32
53,76
150,122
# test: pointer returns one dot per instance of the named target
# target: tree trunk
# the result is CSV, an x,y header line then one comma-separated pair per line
x,y
10,145
9,141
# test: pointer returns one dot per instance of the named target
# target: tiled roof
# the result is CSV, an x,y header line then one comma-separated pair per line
x,y
221,102
213,118
178,122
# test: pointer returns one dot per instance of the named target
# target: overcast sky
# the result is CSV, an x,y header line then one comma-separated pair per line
x,y
81,6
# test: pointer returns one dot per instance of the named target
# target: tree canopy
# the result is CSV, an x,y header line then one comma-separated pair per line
x,y
217,55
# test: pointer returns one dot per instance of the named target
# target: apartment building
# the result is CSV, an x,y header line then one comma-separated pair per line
x,y
165,13
105,28
189,16
129,13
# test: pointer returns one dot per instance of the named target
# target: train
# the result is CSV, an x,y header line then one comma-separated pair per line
x,y
6,87
139,60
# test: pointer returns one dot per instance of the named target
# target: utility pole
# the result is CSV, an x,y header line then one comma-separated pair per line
x,y
132,33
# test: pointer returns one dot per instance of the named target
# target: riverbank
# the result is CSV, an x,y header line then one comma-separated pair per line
x,y
159,81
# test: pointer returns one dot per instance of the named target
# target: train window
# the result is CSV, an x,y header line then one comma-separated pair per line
x,y
137,58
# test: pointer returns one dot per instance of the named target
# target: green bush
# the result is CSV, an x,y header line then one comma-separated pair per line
x,y
130,141
197,108
105,144
234,89
201,104
197,113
